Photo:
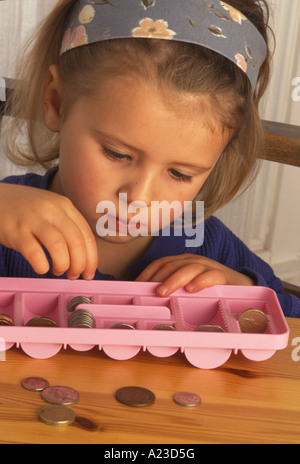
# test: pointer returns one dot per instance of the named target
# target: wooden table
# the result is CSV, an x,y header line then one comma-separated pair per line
x,y
242,402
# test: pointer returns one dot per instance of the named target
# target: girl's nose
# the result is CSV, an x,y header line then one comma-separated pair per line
x,y
140,190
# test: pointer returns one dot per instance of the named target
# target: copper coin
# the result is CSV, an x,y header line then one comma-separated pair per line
x,y
6,320
41,322
187,399
253,321
122,325
163,327
60,395
135,396
35,383
57,415
209,328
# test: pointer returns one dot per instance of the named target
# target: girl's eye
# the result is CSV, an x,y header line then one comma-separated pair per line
x,y
178,176
115,156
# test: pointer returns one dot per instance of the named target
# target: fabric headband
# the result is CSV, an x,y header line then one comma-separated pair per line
x,y
210,23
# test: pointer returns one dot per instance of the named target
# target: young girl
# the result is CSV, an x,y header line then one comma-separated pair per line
x,y
151,101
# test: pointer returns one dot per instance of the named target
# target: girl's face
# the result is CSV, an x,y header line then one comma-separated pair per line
x,y
131,138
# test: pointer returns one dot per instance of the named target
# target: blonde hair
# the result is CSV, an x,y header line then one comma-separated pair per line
x,y
185,68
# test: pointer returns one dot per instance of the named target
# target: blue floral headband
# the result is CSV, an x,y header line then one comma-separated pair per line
x,y
210,23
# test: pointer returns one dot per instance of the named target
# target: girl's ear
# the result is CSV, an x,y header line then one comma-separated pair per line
x,y
53,100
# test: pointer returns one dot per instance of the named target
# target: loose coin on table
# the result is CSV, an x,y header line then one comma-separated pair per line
x,y
253,321
42,322
6,320
135,396
187,399
60,395
57,415
36,384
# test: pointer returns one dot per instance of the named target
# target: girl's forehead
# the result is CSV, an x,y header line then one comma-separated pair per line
x,y
135,95
141,118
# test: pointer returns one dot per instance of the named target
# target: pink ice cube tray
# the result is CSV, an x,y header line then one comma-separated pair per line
x,y
136,303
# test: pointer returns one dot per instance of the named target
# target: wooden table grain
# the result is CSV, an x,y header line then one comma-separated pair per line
x,y
242,402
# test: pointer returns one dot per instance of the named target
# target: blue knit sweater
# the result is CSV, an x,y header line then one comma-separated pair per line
x,y
220,245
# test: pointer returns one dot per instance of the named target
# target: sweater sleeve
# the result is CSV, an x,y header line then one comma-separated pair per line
x,y
226,248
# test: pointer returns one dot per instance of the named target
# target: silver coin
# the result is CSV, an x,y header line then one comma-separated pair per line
x,y
82,319
209,328
78,300
253,321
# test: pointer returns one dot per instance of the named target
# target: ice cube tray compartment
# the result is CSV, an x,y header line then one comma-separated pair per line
x,y
49,307
7,304
137,304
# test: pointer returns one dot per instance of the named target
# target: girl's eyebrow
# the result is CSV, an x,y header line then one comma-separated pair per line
x,y
200,168
119,141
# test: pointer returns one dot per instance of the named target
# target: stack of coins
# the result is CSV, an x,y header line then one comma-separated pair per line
x,y
209,328
78,300
163,327
6,320
122,325
42,322
82,319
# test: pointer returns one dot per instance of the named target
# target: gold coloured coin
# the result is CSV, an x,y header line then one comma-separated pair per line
x,y
253,321
41,322
135,396
6,320
57,415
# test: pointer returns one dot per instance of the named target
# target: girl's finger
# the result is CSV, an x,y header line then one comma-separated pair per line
x,y
54,242
33,252
150,272
91,250
178,279
205,280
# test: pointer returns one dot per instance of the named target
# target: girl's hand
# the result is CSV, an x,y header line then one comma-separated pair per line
x,y
190,271
32,217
